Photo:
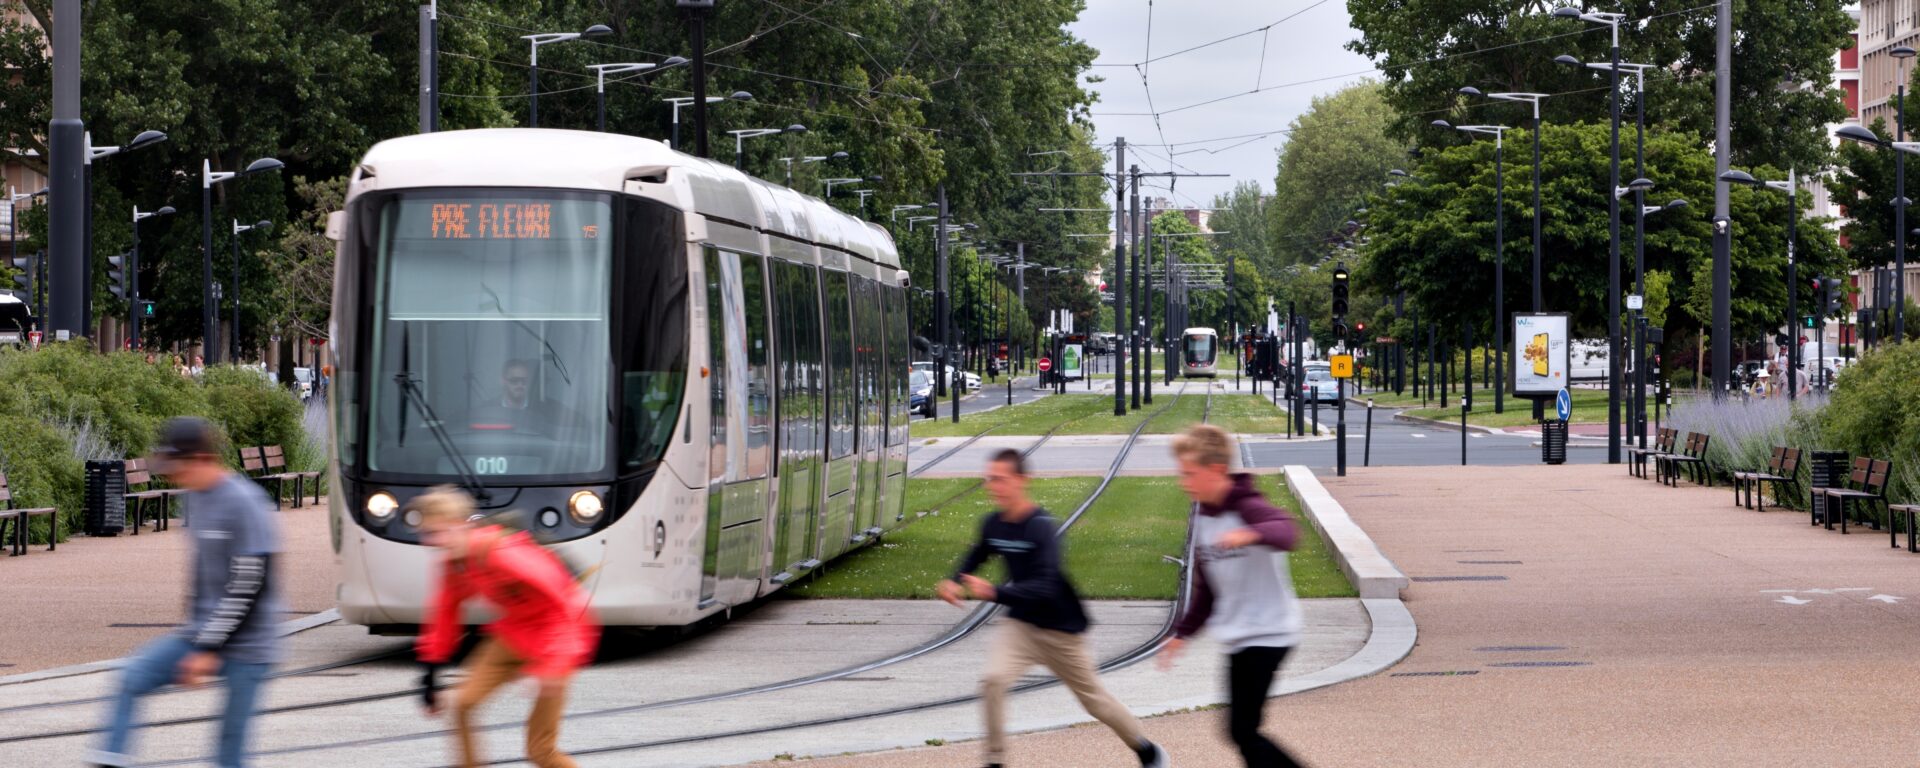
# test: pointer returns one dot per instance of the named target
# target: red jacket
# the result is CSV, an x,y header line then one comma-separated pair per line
x,y
544,616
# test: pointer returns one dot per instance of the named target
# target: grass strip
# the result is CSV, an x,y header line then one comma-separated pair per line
x,y
1113,553
1589,407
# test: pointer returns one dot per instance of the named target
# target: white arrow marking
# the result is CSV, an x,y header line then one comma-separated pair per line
x,y
1791,600
1778,591
1853,589
1888,599
1816,591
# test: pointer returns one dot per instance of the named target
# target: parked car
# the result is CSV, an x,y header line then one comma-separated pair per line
x,y
969,380
920,393
1320,386
303,382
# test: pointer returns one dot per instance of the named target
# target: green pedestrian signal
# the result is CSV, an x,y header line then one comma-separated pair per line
x,y
1806,321
146,309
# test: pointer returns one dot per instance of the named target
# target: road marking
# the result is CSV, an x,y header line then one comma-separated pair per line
x,y
1419,434
1888,599
1791,600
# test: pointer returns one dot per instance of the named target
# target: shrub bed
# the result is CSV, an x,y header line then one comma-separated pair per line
x,y
64,404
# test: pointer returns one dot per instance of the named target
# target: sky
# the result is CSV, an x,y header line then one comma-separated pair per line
x,y
1306,47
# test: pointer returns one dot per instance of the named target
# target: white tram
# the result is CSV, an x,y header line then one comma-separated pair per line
x,y
689,381
1199,353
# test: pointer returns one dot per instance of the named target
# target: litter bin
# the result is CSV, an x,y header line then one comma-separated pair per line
x,y
1825,469
105,502
1553,442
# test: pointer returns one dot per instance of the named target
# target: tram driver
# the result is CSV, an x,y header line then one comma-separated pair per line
x,y
518,408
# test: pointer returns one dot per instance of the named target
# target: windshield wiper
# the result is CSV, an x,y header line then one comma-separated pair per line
x,y
410,386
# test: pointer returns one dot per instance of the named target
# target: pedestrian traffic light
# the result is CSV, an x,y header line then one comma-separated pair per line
x,y
25,278
1339,292
146,309
1806,321
117,275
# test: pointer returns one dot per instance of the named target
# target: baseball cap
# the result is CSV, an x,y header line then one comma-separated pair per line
x,y
184,437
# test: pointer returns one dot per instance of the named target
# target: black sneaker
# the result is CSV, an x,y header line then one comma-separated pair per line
x,y
1152,756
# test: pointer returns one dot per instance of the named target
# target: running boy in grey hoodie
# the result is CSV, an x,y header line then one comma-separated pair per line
x,y
1242,588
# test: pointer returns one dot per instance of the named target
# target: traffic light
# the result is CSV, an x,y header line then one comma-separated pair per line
x,y
1339,291
117,275
1829,296
26,266
146,309
1806,321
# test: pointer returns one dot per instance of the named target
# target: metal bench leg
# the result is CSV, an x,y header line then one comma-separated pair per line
x,y
1843,514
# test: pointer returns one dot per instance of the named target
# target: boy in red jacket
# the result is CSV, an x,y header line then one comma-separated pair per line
x,y
545,630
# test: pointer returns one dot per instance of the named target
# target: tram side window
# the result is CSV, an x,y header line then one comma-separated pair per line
x,y
759,403
798,309
717,376
873,346
840,382
897,363
654,336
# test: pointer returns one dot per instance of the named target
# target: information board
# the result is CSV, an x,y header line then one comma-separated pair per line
x,y
1540,354
1070,359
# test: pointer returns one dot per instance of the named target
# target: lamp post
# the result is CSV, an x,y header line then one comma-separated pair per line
x,y
1533,99
682,101
133,274
740,137
1793,280
1499,257
208,178
233,334
600,72
533,68
85,295
1900,202
831,183
805,159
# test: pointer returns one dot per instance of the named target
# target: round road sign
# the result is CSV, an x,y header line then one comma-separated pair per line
x,y
1045,365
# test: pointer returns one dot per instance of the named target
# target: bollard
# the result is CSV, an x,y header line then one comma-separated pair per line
x,y
1464,407
1366,448
1316,413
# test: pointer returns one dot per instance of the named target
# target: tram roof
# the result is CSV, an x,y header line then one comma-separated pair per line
x,y
565,159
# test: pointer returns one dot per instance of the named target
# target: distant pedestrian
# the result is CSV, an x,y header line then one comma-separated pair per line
x,y
545,630
234,603
1241,585
1048,622
993,369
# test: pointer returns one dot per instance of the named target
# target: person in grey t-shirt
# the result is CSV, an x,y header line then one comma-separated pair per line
x,y
234,603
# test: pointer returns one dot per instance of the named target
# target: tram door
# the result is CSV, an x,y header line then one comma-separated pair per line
x,y
837,493
740,401
800,371
872,439
895,363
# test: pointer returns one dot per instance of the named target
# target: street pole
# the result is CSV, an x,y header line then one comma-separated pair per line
x,y
1722,218
1793,289
1132,319
1499,271
233,328
66,142
207,331
429,67
1613,261
1146,315
697,39
133,286
940,376
1639,400
1119,266
1899,221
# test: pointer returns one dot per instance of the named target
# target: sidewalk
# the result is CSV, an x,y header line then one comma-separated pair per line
x,y
94,599
1575,616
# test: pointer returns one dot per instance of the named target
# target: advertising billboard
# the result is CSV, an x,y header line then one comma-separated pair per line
x,y
1540,354
1070,359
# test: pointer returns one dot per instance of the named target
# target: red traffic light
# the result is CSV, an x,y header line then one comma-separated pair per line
x,y
1359,326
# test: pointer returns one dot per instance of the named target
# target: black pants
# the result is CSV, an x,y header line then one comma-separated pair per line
x,y
1249,674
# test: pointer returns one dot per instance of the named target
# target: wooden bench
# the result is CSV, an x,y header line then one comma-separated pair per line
x,y
138,475
269,462
1867,484
20,517
1783,470
1693,459
1637,457
1911,513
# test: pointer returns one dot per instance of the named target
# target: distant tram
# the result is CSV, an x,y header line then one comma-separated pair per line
x,y
690,382
1199,352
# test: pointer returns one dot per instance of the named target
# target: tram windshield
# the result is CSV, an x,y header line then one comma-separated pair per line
x,y
492,306
1199,348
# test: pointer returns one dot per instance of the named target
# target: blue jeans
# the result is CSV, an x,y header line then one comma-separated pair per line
x,y
157,664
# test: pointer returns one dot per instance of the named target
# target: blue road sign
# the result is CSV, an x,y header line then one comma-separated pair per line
x,y
1563,403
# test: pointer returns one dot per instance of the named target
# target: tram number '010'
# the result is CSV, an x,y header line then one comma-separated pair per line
x,y
490,465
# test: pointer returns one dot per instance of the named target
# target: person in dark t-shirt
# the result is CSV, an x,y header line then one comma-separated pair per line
x,y
1048,622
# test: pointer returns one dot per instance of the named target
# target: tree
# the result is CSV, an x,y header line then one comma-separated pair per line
x,y
1430,48
1337,153
1240,217
1431,237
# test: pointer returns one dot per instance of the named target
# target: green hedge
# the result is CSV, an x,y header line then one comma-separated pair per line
x,y
63,404
1875,411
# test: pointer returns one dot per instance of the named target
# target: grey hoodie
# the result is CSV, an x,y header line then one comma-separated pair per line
x,y
1245,596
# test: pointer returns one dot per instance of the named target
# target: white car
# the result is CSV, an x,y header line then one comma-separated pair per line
x,y
970,381
303,378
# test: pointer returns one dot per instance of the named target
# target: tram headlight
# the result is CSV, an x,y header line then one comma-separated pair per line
x,y
381,506
585,507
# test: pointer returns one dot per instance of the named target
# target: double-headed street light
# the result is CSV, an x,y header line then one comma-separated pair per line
x,y
1790,186
1498,132
1534,100
740,137
233,336
533,63
1855,132
831,183
600,72
807,159
209,312
134,302
142,140
686,101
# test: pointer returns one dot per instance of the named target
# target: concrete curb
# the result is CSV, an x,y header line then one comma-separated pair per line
x,y
1370,572
1390,640
289,627
1438,424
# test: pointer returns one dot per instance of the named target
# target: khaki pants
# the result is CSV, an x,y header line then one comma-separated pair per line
x,y
492,665
1019,646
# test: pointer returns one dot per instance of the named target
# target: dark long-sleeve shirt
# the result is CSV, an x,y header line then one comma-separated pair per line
x,y
1036,591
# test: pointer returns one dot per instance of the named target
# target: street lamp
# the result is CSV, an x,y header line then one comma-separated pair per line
x,y
831,183
209,313
233,336
1533,99
1499,257
133,274
1855,132
805,159
740,137
1793,280
683,101
142,140
600,72
1900,53
533,68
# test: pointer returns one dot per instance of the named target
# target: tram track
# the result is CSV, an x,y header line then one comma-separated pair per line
x,y
974,620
